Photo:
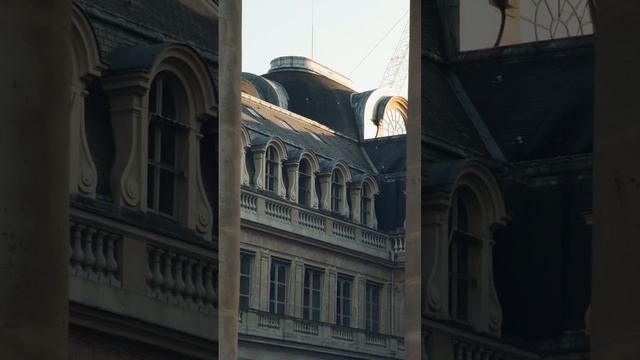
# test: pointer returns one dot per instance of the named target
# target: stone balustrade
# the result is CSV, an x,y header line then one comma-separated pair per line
x,y
124,269
266,325
93,253
465,349
310,220
278,210
345,231
317,224
248,202
181,279
398,244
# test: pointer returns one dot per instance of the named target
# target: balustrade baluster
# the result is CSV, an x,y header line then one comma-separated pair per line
x,y
179,277
210,293
199,283
158,280
149,278
190,287
168,273
101,260
89,258
78,254
112,264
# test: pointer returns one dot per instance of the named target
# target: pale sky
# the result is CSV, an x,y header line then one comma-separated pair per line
x,y
344,32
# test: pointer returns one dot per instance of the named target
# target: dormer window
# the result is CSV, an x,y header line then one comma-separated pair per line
x,y
460,278
163,171
271,170
304,183
337,186
365,205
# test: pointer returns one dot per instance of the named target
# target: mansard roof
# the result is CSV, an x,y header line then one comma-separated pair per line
x,y
127,23
388,154
535,99
317,93
299,133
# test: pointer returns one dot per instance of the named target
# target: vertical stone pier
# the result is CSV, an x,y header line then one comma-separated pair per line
x,y
230,55
615,314
413,270
35,101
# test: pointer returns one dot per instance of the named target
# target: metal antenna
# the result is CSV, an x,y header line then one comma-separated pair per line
x,y
395,76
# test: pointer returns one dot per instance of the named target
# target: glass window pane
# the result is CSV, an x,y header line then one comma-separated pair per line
x,y
151,186
168,147
166,189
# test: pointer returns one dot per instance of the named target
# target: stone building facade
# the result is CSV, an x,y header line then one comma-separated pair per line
x,y
322,210
506,184
143,180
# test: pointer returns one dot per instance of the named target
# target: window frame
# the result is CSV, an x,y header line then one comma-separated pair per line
x,y
460,279
310,311
244,256
304,192
373,309
278,285
161,125
337,191
344,319
272,165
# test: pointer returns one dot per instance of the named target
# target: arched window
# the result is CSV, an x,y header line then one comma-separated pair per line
x,y
365,205
271,170
163,143
460,275
337,185
304,183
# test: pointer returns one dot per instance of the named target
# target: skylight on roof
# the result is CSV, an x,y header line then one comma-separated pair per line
x,y
286,125
253,113
315,136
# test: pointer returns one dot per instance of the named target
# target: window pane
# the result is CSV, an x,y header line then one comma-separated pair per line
x,y
281,293
151,187
151,142
168,147
168,101
166,192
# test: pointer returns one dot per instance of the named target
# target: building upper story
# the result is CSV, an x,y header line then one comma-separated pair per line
x,y
507,141
322,208
143,179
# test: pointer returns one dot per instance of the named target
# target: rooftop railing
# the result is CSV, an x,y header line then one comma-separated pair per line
x,y
319,225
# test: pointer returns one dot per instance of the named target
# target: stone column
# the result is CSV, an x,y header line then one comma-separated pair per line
x,y
385,308
35,99
292,174
325,190
413,270
358,303
330,294
355,192
265,273
230,58
297,287
615,315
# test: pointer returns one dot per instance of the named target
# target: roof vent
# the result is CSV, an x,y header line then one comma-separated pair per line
x,y
301,63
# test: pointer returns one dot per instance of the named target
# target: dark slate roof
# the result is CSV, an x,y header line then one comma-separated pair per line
x,y
432,29
443,116
136,58
268,90
123,23
326,144
389,154
319,98
536,99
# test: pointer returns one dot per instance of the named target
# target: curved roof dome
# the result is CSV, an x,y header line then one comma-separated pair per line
x,y
316,92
